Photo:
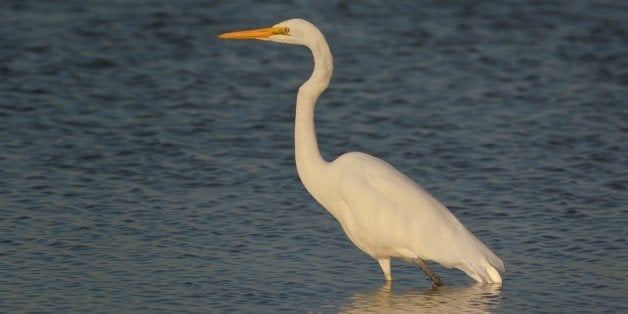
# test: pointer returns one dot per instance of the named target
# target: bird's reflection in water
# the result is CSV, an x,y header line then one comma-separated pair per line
x,y
476,298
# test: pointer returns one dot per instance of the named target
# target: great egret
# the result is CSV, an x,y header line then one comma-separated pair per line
x,y
382,211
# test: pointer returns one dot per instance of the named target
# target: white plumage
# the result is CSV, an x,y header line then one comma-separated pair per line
x,y
382,211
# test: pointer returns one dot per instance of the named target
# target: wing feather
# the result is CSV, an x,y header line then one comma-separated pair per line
x,y
383,204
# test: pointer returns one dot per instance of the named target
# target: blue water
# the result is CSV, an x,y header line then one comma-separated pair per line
x,y
147,166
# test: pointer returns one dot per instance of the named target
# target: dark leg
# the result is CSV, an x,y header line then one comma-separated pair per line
x,y
429,272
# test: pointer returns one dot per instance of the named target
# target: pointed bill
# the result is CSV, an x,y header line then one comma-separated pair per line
x,y
260,33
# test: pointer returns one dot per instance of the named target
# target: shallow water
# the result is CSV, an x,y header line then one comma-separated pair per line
x,y
147,166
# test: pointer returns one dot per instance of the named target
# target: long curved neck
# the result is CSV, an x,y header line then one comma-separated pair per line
x,y
308,157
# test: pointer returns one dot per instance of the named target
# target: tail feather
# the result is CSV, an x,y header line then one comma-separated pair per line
x,y
493,274
483,274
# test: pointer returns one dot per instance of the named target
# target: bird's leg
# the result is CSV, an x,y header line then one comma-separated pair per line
x,y
384,263
429,272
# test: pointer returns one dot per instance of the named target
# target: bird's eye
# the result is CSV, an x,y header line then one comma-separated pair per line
x,y
286,30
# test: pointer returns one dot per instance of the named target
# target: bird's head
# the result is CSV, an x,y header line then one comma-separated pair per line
x,y
294,31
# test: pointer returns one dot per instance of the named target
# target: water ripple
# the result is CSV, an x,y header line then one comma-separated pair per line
x,y
147,167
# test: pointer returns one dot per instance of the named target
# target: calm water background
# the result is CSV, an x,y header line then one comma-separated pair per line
x,y
147,166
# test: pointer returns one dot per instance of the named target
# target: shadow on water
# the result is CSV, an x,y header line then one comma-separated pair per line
x,y
474,298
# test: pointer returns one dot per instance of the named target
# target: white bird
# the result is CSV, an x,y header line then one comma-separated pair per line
x,y
383,212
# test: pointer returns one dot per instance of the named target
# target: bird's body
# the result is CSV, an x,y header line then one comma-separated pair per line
x,y
386,214
383,212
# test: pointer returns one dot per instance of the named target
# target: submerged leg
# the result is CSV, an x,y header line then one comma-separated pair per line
x,y
384,263
429,272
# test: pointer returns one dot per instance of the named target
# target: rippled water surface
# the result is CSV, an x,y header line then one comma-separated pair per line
x,y
147,166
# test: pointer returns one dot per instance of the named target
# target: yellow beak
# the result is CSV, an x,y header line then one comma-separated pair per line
x,y
260,33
